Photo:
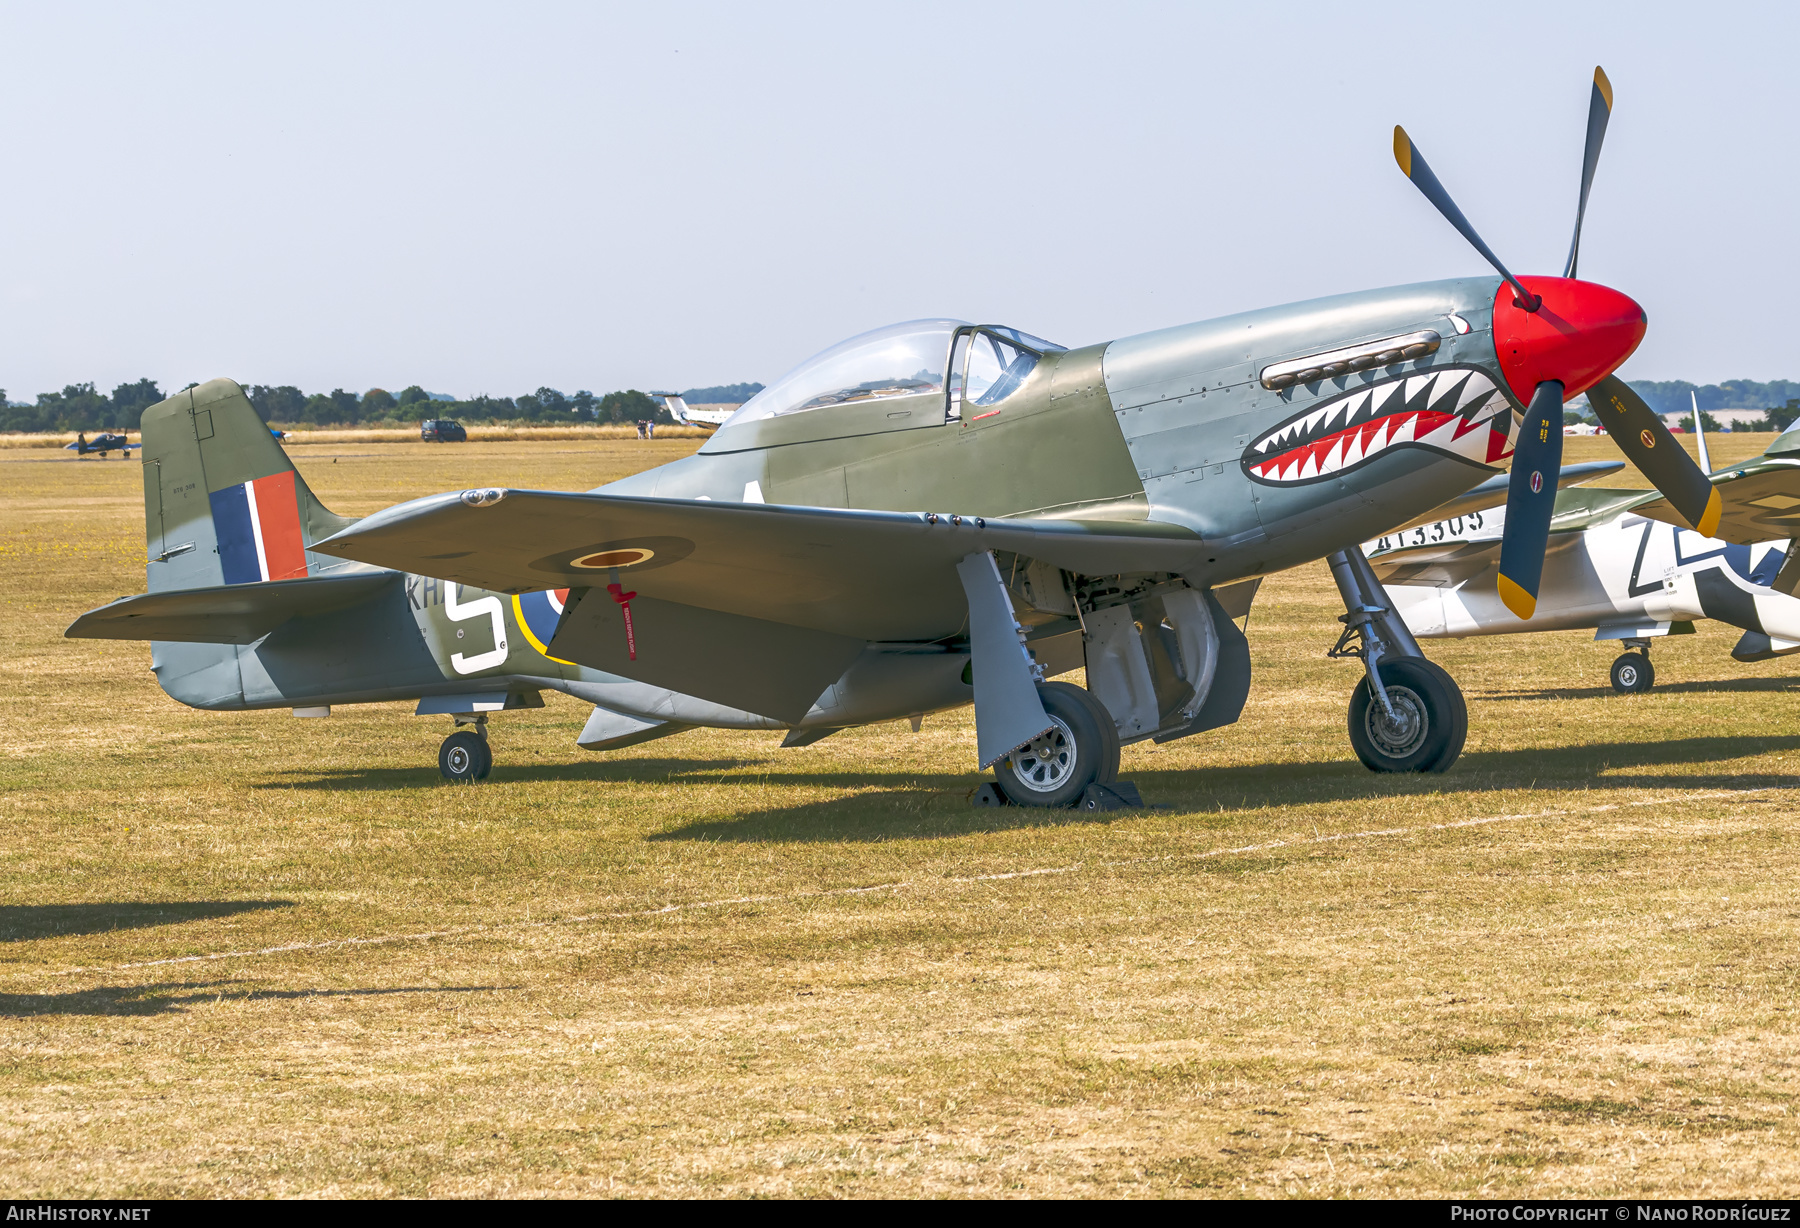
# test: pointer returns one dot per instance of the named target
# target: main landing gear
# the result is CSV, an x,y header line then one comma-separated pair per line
x,y
465,758
1407,714
1081,748
1632,673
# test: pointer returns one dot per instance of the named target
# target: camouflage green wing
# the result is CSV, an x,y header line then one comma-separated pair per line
x,y
865,575
1761,501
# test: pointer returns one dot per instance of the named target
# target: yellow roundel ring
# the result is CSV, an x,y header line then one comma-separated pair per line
x,y
628,556
524,624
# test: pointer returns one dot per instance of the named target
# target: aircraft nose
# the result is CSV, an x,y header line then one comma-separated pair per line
x,y
1579,335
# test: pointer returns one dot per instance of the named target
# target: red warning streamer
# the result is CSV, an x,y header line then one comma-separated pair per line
x,y
624,599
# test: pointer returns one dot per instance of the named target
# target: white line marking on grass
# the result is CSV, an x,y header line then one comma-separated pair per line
x,y
697,905
1409,831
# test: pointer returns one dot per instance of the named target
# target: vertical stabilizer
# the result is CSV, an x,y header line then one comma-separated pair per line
x,y
222,502
1700,435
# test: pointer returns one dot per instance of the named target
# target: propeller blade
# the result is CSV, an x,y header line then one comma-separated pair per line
x,y
1414,167
1531,498
1599,111
1646,443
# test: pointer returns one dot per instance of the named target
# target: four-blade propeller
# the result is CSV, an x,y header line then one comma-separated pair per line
x,y
1555,338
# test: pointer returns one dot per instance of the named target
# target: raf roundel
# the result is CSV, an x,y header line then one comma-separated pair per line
x,y
628,556
538,614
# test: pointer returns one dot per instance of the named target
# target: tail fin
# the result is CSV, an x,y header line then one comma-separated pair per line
x,y
679,410
222,502
677,407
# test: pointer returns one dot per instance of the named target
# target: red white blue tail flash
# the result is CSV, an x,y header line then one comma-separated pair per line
x,y
258,526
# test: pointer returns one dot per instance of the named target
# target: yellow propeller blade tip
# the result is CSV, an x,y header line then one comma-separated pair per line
x,y
1516,599
1709,519
1603,85
1403,150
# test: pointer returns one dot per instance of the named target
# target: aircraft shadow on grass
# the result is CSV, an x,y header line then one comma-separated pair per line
x,y
23,922
600,771
166,998
1708,687
937,807
901,805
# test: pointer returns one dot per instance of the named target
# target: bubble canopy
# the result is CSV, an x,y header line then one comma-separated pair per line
x,y
899,360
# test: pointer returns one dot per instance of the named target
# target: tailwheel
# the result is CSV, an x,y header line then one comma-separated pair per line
x,y
1633,673
1426,728
1080,747
464,758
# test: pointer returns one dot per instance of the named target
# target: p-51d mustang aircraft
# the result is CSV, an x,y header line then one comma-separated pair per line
x,y
925,515
1623,562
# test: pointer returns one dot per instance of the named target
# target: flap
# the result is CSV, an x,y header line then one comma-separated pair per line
x,y
867,575
770,668
225,613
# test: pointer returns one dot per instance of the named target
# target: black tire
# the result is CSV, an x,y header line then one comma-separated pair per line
x,y
1435,719
1056,769
464,758
1459,725
1632,674
1109,728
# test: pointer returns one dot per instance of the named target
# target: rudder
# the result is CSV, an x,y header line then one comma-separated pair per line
x,y
223,504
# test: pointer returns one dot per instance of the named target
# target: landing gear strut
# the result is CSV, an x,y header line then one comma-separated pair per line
x,y
1407,714
1633,673
465,758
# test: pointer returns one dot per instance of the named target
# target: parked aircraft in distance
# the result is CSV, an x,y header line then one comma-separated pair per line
x,y
678,409
1624,563
106,441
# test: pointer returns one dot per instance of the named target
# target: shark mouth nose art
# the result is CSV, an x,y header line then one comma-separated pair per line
x,y
1457,411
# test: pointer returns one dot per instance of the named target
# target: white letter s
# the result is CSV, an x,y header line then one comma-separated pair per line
x,y
475,609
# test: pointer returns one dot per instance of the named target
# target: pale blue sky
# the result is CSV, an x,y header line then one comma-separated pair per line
x,y
489,198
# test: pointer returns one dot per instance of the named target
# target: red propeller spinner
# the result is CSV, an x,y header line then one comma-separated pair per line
x,y
1580,333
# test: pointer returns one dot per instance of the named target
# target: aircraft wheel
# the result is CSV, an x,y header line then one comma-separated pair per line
x,y
464,758
1109,729
1633,673
1430,723
1056,768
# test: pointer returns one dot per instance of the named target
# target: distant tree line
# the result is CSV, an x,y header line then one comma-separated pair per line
x,y
721,394
1778,399
81,407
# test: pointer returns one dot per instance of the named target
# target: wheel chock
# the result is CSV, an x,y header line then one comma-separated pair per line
x,y
988,795
1114,795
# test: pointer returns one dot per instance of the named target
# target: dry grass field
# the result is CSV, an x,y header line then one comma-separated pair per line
x,y
245,955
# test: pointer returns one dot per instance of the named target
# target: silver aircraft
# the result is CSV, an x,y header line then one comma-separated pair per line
x,y
1620,563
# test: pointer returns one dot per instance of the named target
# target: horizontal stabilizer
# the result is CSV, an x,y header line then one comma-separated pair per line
x,y
225,613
